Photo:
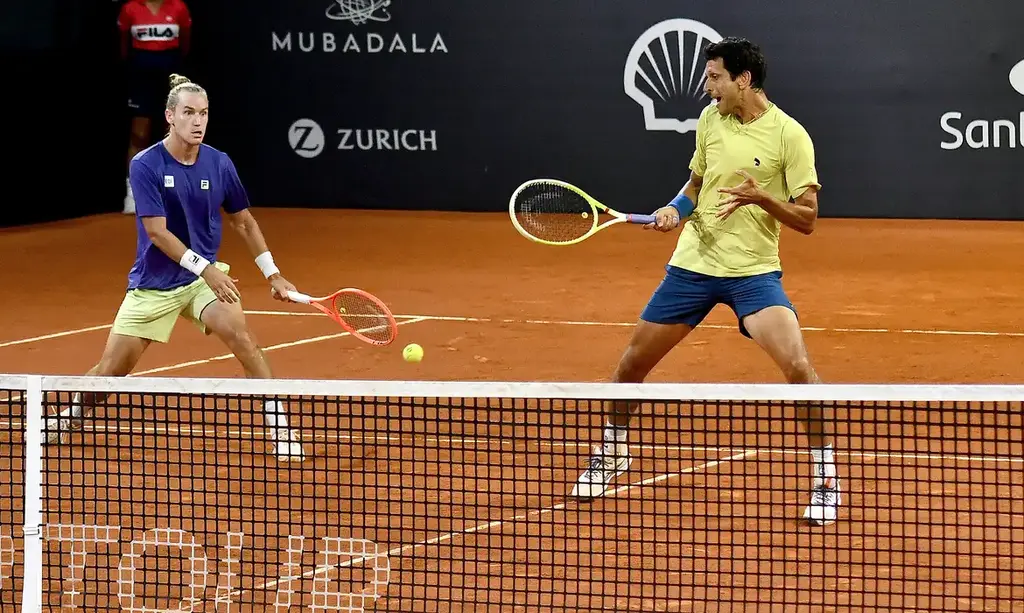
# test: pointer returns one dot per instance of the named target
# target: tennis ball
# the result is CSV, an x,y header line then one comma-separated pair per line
x,y
412,353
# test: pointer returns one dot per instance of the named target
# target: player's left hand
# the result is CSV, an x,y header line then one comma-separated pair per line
x,y
279,288
748,192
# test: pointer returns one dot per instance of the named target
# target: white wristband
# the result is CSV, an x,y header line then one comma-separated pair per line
x,y
194,262
266,263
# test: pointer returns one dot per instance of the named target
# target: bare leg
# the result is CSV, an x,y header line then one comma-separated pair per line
x,y
120,355
228,322
777,331
649,344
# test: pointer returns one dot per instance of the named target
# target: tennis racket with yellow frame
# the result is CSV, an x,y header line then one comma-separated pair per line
x,y
553,212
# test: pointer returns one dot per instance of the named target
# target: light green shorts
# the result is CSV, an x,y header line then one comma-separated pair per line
x,y
152,313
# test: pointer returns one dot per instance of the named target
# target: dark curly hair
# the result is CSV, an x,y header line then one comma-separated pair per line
x,y
739,55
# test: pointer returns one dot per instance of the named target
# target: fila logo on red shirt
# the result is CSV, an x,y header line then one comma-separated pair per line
x,y
155,32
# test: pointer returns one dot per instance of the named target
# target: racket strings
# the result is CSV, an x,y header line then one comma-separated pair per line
x,y
364,316
554,213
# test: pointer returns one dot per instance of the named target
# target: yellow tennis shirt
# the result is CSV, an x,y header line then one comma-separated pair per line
x,y
777,151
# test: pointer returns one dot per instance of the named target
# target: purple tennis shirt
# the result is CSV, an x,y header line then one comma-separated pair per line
x,y
190,197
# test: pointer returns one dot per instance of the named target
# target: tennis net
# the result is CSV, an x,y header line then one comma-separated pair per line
x,y
191,495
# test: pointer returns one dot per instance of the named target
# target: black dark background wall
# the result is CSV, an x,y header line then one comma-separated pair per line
x,y
500,92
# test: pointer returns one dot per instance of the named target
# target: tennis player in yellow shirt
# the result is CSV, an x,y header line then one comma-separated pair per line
x,y
752,171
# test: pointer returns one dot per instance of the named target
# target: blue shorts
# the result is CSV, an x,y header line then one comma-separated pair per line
x,y
686,297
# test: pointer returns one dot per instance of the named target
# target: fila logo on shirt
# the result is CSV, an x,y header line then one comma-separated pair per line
x,y
155,32
168,180
204,184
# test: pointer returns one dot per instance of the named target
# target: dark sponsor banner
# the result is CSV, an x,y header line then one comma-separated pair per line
x,y
451,104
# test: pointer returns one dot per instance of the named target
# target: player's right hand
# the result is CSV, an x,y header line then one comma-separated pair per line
x,y
666,219
221,284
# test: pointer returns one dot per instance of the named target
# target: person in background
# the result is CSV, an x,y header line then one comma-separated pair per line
x,y
155,36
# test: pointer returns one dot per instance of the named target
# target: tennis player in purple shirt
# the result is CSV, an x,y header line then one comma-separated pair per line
x,y
180,186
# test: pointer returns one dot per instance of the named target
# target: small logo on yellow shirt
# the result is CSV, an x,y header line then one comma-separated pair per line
x,y
757,162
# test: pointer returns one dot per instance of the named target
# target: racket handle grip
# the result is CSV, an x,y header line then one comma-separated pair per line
x,y
642,219
299,297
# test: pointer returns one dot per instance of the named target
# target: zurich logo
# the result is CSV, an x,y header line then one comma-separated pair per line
x,y
665,76
306,138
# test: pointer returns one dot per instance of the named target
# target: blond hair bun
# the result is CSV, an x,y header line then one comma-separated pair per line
x,y
177,79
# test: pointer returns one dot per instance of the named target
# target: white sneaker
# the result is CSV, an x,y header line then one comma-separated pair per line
x,y
129,200
825,500
609,461
57,430
287,442
288,445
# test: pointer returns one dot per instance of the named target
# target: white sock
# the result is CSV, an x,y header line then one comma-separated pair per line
x,y
615,438
615,434
824,464
277,419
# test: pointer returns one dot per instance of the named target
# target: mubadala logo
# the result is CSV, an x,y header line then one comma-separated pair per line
x,y
665,76
307,139
982,133
359,13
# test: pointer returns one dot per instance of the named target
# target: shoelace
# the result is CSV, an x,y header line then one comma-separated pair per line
x,y
597,464
823,496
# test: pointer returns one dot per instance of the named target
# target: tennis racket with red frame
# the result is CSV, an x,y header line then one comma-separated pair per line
x,y
362,314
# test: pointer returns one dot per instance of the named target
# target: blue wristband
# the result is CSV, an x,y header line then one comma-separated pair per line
x,y
683,204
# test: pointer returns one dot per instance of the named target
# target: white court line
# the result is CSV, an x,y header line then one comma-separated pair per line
x,y
482,527
33,339
238,434
626,324
568,322
226,356
24,341
557,322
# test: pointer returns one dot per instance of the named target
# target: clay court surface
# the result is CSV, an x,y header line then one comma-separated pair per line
x,y
470,503
886,301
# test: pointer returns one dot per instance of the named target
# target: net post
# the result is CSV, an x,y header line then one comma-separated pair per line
x,y
32,589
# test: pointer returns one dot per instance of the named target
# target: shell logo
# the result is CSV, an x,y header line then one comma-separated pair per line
x,y
664,74
1017,77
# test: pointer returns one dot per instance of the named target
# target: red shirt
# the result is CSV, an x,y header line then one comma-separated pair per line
x,y
155,32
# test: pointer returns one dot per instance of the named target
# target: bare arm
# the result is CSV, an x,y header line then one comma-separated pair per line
x,y
692,188
171,245
668,217
801,214
221,284
245,224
